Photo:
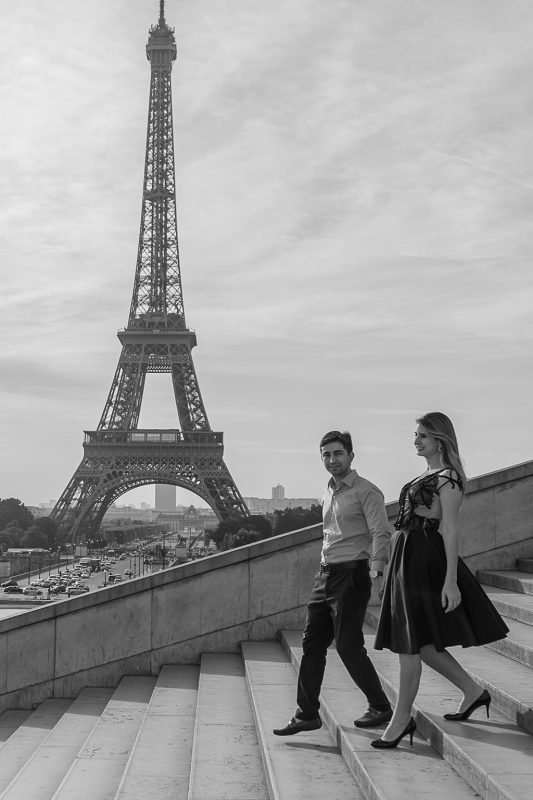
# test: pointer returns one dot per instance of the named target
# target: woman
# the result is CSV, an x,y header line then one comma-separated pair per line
x,y
431,600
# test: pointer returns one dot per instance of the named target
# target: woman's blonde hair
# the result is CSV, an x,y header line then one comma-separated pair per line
x,y
441,428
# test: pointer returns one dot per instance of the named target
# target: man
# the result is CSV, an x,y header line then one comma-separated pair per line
x,y
356,532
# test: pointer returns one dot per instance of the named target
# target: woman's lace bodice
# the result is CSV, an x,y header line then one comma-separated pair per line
x,y
421,492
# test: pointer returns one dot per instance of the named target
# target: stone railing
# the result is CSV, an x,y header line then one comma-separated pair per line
x,y
213,604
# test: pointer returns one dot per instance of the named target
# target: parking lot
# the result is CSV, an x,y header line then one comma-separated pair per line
x,y
76,579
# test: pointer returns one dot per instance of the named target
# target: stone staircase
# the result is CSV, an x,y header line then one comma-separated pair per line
x,y
205,732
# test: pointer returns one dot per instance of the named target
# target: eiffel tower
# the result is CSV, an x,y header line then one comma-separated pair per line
x,y
119,456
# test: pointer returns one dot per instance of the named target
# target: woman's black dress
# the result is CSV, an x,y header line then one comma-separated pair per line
x,y
411,613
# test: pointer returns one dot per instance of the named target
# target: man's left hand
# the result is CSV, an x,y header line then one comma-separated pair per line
x,y
379,581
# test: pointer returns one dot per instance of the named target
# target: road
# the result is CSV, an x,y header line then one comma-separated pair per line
x,y
99,580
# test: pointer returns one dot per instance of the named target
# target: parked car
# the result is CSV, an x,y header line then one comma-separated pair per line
x,y
77,590
13,590
128,572
10,582
32,592
60,588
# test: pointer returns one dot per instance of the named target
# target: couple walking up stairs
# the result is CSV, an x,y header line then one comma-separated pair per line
x,y
205,732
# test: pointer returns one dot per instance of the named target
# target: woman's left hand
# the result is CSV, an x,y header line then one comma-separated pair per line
x,y
450,597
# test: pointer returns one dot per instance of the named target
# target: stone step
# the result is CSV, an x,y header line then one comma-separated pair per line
x,y
45,769
416,772
513,580
514,605
518,644
509,682
308,766
160,762
525,564
9,722
99,766
26,739
492,756
226,759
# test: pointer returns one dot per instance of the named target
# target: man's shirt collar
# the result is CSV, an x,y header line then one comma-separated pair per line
x,y
348,480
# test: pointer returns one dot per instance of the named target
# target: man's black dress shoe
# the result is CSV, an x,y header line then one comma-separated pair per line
x,y
298,725
373,718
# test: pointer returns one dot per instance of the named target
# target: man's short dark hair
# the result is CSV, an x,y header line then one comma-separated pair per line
x,y
344,437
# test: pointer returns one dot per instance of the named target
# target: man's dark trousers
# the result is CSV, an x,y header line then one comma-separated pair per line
x,y
336,611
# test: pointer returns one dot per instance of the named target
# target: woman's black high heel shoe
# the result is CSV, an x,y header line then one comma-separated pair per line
x,y
410,728
484,699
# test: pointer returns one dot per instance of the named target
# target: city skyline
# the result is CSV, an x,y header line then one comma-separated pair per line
x,y
354,191
196,501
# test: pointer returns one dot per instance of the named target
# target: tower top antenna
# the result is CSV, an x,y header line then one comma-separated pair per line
x,y
161,47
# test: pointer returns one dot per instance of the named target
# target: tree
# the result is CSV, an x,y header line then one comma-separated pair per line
x,y
48,527
34,538
13,510
226,527
97,542
292,519
15,533
240,538
260,524
231,527
6,541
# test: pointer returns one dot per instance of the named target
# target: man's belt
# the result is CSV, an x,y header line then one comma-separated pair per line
x,y
343,566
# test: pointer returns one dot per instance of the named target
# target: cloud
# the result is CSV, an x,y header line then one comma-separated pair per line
x,y
354,211
26,378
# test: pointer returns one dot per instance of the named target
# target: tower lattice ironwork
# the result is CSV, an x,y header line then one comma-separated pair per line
x,y
119,456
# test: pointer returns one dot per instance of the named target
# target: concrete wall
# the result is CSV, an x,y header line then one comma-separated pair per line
x,y
497,518
215,603
133,628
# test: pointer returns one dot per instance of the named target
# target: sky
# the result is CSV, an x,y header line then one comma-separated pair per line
x,y
355,217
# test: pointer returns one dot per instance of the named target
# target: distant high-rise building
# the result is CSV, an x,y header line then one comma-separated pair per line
x,y
47,504
165,497
278,492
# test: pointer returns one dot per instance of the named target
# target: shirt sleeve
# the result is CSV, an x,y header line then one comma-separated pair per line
x,y
373,504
